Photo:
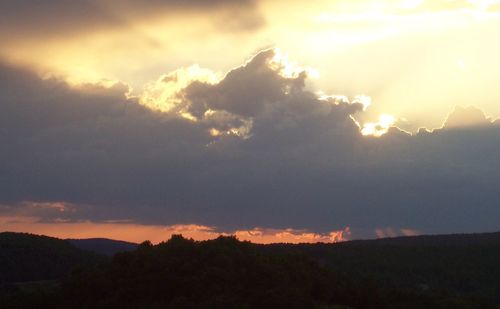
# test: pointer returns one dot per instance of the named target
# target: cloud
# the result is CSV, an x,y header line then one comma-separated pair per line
x,y
28,19
390,232
253,149
157,233
47,211
466,117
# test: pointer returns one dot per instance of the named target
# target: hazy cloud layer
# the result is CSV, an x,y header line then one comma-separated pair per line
x,y
31,19
258,151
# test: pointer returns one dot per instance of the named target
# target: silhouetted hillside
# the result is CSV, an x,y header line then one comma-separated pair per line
x,y
221,273
450,271
226,273
434,240
467,265
27,257
104,246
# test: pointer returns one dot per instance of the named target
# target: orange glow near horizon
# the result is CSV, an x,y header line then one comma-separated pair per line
x,y
157,233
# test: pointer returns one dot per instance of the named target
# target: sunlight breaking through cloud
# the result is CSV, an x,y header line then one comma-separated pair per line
x,y
162,94
379,128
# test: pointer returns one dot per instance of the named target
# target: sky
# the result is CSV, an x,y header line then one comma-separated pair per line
x,y
275,121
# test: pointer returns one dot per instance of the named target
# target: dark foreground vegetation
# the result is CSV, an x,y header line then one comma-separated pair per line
x,y
447,266
460,271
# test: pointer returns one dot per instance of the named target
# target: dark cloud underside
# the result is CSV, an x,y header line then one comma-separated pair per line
x,y
302,164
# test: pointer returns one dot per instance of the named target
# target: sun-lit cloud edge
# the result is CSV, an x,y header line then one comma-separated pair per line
x,y
162,95
478,118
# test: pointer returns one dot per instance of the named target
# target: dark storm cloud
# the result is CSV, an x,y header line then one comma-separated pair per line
x,y
32,19
302,162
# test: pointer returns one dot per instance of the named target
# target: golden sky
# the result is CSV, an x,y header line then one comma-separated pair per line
x,y
415,59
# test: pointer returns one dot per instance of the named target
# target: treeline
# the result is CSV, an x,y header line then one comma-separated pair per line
x,y
227,273
466,266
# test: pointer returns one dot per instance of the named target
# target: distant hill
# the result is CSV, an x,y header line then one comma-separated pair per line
x,y
28,257
103,246
434,240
